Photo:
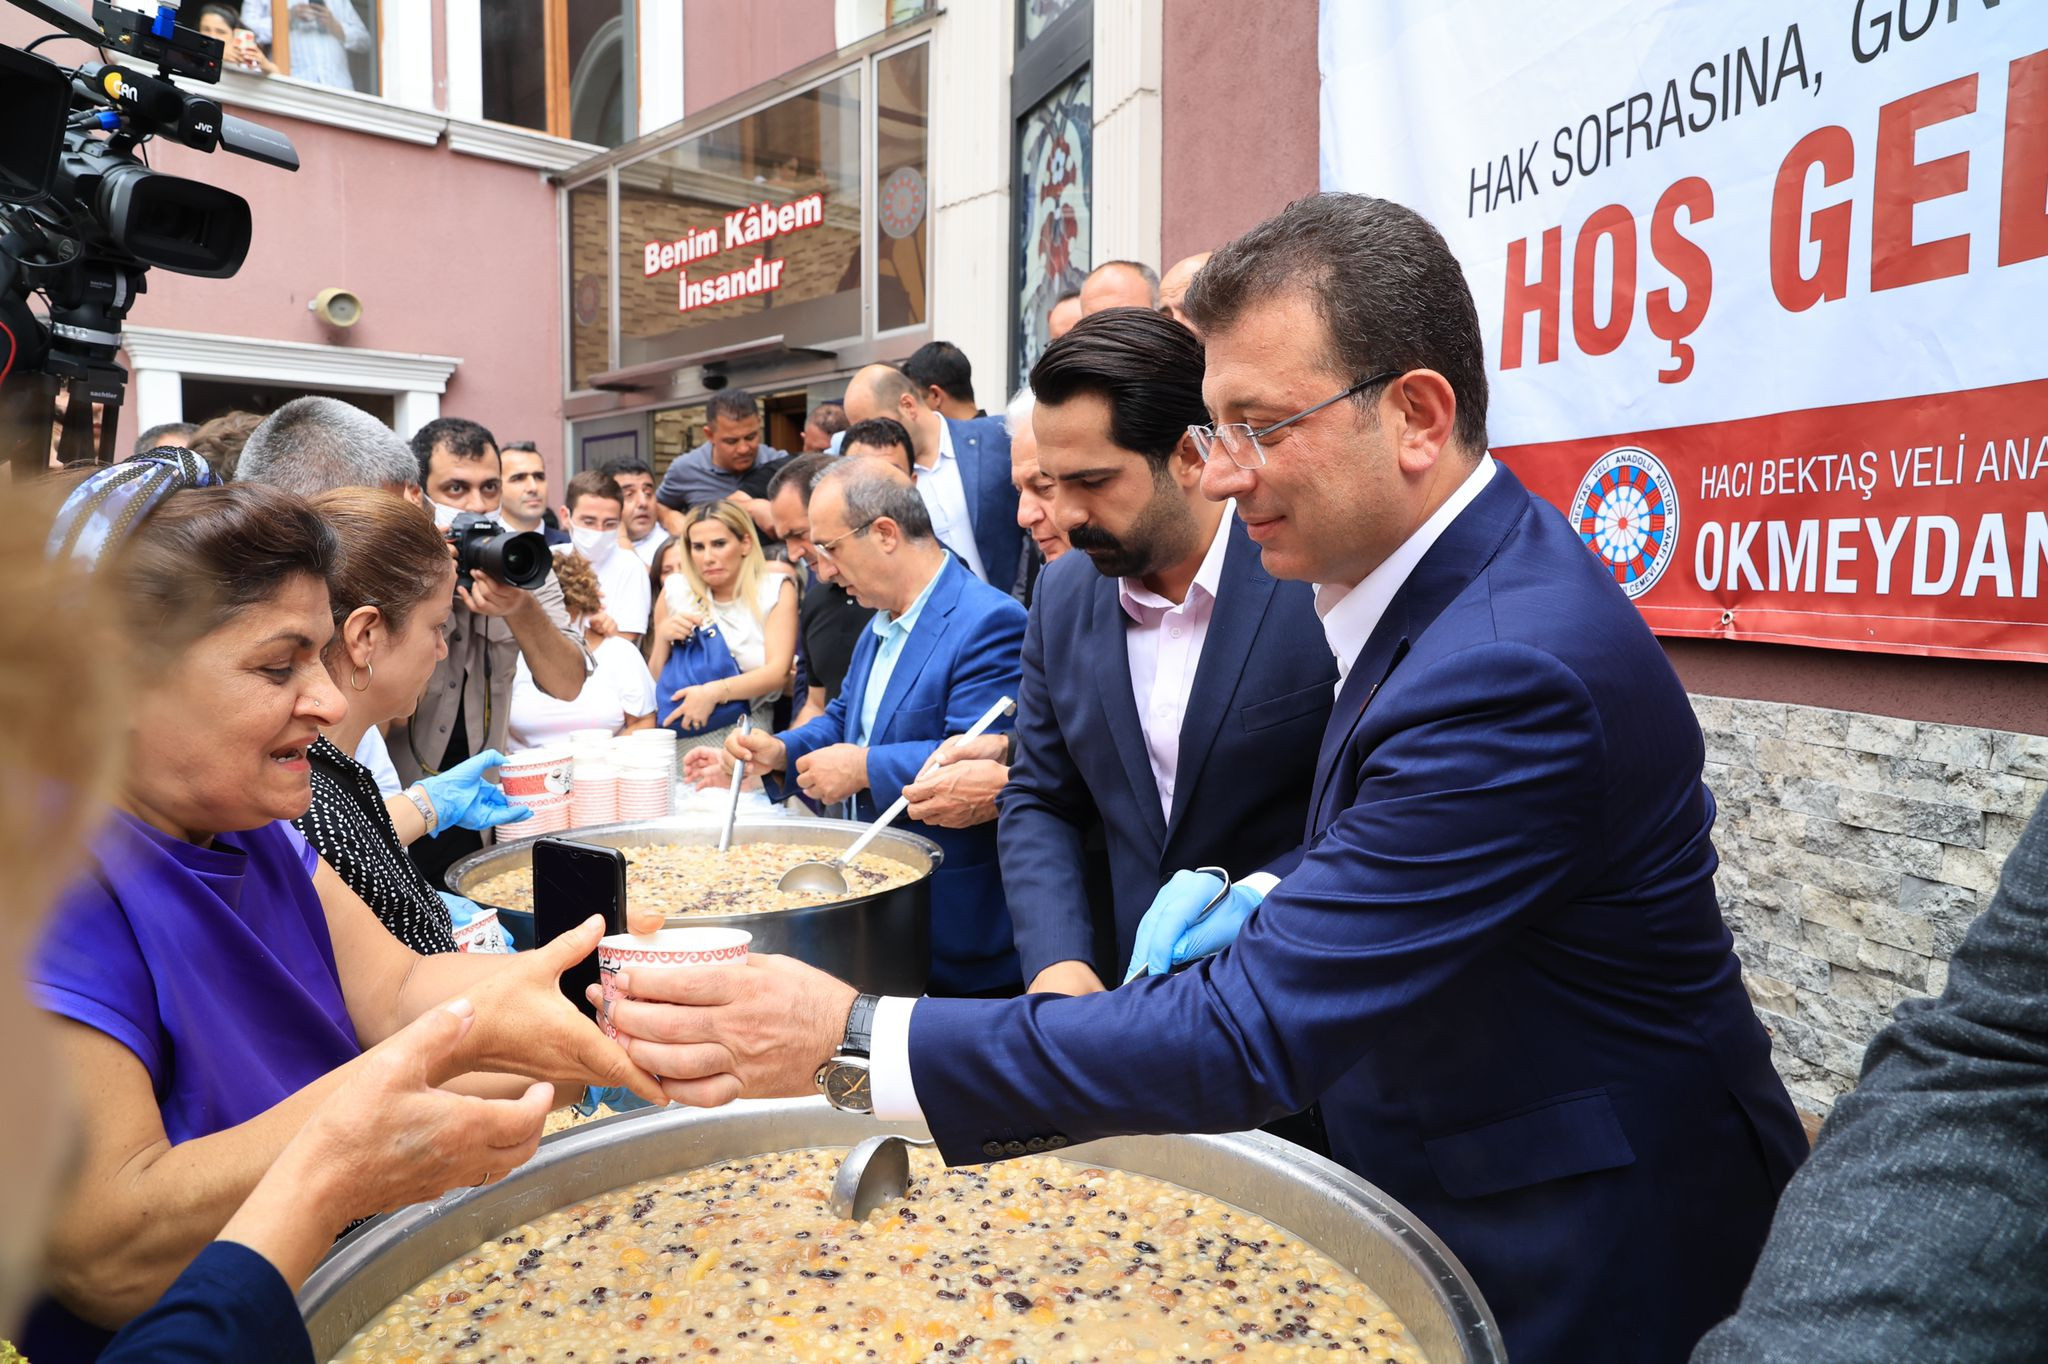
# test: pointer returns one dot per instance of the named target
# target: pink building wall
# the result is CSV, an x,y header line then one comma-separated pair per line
x,y
1233,159
730,47
451,255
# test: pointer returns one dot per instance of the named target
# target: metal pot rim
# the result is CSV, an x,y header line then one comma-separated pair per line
x,y
841,833
1327,1195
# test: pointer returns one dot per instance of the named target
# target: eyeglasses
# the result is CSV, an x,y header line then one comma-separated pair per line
x,y
1237,442
823,548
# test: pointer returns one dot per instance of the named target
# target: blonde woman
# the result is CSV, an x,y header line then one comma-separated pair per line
x,y
724,581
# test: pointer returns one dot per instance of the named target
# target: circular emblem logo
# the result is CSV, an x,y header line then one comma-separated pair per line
x,y
589,299
1626,511
901,205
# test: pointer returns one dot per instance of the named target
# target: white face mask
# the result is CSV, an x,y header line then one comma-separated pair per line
x,y
444,515
594,545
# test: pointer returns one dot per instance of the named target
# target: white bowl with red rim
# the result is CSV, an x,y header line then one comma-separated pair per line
x,y
629,952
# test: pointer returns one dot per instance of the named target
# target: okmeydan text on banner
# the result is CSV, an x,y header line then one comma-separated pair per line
x,y
1763,285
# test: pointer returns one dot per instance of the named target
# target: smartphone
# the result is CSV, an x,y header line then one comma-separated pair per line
x,y
571,882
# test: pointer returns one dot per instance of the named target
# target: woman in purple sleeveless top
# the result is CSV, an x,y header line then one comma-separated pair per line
x,y
219,992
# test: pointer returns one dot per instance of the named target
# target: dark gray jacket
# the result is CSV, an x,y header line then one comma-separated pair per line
x,y
1919,1228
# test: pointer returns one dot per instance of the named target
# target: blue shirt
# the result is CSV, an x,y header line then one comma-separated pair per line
x,y
893,631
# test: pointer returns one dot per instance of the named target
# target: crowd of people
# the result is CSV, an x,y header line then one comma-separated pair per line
x,y
1344,794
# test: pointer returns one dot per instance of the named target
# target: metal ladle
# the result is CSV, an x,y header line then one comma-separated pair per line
x,y
829,877
732,801
875,1172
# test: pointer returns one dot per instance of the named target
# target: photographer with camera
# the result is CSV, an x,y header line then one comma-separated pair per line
x,y
508,604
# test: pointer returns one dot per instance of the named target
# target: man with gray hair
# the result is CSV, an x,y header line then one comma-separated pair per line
x,y
944,647
1119,284
313,445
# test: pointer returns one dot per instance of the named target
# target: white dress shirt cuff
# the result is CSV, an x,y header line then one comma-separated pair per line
x,y
895,1093
1260,881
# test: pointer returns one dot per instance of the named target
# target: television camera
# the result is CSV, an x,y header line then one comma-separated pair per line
x,y
83,217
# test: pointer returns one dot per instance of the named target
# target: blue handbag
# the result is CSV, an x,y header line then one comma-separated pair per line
x,y
703,657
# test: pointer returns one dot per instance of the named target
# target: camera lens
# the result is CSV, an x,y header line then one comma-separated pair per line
x,y
519,559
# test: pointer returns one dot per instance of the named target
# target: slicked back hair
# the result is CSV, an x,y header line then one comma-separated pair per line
x,y
315,445
1143,364
1390,294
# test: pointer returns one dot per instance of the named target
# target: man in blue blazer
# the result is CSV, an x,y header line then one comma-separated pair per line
x,y
943,650
962,469
1209,760
1499,962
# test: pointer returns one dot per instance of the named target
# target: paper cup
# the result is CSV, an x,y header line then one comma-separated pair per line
x,y
536,772
669,947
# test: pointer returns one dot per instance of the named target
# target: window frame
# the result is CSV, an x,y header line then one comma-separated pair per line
x,y
861,58
1062,51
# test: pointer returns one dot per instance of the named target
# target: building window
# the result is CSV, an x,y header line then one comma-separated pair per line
x,y
335,43
1037,15
749,229
902,193
1052,99
557,66
590,282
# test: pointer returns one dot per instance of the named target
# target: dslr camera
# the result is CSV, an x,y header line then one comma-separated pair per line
x,y
520,558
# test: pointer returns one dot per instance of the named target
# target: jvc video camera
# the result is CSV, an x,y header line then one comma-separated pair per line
x,y
83,219
520,558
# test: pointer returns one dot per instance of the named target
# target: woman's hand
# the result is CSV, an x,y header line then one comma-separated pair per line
x,y
600,628
388,1137
678,626
391,1137
526,1026
698,703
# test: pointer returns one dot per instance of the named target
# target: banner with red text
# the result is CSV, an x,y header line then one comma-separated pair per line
x,y
1764,285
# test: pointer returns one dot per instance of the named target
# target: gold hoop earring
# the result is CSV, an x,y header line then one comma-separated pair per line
x,y
370,671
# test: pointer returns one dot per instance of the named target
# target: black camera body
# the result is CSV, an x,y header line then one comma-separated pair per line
x,y
521,558
83,218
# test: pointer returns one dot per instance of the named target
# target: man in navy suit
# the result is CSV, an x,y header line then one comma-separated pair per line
x,y
943,650
1171,689
1499,962
961,467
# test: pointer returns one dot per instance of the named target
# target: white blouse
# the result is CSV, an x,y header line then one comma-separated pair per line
x,y
745,633
618,689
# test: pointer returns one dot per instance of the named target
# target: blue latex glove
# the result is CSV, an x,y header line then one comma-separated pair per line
x,y
1168,935
463,799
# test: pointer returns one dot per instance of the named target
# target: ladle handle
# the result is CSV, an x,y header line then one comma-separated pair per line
x,y
732,800
1004,706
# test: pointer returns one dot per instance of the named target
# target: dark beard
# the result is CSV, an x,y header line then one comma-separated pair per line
x,y
1112,558
1163,533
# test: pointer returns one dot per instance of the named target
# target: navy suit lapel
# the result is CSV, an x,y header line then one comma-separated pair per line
x,y
1242,596
932,623
1458,557
1108,657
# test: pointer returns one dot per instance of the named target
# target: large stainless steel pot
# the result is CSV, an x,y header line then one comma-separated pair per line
x,y
1326,1205
881,943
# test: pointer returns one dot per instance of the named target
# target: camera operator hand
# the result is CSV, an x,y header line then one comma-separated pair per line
x,y
489,597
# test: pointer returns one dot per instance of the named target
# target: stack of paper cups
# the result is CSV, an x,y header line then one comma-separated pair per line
x,y
537,778
645,772
593,792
